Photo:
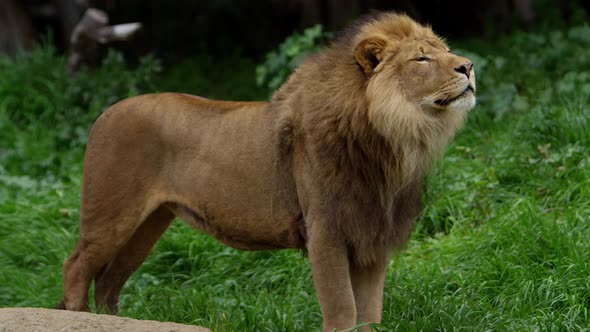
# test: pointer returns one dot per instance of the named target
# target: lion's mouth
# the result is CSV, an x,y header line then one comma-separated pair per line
x,y
445,102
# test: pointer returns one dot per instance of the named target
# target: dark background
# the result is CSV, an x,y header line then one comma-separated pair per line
x,y
177,29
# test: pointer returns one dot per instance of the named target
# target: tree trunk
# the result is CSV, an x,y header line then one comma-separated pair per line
x,y
16,30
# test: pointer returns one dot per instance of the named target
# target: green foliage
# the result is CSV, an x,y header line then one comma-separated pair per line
x,y
280,63
228,78
45,115
533,70
502,243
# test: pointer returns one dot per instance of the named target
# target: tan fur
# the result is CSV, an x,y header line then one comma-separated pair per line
x,y
332,164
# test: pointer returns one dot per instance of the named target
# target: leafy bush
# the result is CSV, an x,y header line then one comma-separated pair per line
x,y
280,63
228,78
534,69
45,114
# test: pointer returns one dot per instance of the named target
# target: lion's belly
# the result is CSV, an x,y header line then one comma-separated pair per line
x,y
246,234
245,212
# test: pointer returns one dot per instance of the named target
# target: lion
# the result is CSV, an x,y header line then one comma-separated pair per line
x,y
333,164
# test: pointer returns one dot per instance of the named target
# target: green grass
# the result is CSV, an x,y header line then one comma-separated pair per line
x,y
503,243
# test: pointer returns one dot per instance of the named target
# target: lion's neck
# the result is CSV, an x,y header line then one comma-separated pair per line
x,y
417,136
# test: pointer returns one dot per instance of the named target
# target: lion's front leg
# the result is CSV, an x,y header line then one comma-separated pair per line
x,y
367,284
330,268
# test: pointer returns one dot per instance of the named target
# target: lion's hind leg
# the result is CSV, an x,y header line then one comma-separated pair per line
x,y
106,226
79,270
110,280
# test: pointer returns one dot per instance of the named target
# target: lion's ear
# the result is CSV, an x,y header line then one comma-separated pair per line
x,y
369,52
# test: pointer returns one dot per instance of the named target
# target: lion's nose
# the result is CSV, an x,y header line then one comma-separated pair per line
x,y
465,68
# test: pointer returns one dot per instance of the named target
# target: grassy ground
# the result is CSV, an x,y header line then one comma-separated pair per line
x,y
503,243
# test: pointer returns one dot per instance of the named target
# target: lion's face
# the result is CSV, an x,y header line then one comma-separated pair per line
x,y
400,56
430,75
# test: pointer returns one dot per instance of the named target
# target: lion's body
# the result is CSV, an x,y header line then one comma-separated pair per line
x,y
333,164
195,156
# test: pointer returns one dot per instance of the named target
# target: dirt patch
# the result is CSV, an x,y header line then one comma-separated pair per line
x,y
37,320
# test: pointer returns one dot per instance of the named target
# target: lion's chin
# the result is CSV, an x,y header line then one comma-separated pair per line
x,y
461,103
464,103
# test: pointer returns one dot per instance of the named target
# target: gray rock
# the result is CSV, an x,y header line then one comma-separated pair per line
x,y
48,320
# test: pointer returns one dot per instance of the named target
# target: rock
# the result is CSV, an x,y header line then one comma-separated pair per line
x,y
46,320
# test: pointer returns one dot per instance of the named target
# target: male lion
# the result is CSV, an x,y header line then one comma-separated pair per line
x,y
333,164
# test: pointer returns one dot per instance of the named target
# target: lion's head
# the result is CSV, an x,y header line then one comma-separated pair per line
x,y
418,91
395,50
388,74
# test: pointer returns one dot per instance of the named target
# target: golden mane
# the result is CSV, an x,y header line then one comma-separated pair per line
x,y
394,26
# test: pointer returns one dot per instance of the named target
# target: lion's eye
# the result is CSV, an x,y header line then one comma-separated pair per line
x,y
422,59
